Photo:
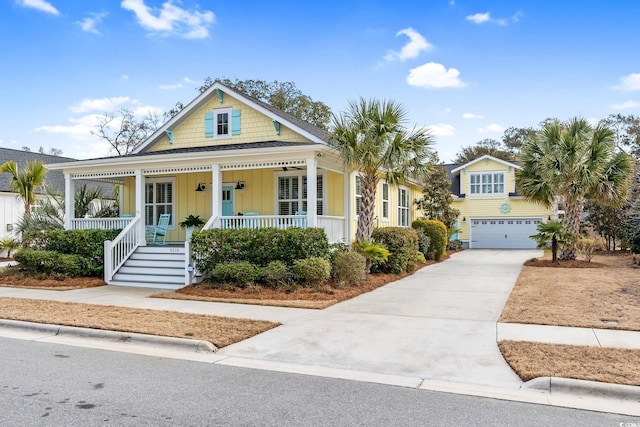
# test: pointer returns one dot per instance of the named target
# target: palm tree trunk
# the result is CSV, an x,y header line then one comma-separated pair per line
x,y
367,208
573,211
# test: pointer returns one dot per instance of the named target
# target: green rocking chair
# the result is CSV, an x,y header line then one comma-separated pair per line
x,y
157,234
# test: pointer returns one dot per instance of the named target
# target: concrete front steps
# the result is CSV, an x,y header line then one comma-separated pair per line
x,y
153,267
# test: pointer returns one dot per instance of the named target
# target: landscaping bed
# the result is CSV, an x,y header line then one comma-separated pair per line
x,y
11,277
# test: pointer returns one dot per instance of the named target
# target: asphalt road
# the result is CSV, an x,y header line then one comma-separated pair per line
x,y
48,384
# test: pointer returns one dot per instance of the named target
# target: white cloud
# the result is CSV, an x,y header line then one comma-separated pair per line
x,y
433,75
171,19
124,77
142,110
79,128
172,86
626,105
417,43
41,5
630,82
479,18
492,128
89,23
442,129
100,104
470,116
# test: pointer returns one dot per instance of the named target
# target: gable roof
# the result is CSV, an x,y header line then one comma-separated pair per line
x,y
486,157
313,133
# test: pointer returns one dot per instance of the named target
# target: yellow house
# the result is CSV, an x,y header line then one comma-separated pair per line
x,y
236,162
492,213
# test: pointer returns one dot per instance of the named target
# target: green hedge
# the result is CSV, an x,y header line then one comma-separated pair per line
x,y
88,244
403,245
259,246
50,262
437,233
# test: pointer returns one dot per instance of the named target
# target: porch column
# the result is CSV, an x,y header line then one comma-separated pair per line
x,y
216,191
69,201
347,206
139,179
312,192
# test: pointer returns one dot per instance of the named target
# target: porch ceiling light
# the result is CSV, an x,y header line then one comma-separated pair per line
x,y
201,186
240,185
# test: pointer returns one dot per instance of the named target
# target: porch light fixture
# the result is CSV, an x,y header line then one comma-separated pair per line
x,y
240,185
549,218
464,219
201,186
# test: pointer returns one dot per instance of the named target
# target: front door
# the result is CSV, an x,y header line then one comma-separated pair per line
x,y
227,200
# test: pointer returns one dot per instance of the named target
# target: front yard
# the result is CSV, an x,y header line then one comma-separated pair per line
x,y
606,296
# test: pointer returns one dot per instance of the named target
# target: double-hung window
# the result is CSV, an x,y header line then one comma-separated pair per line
x,y
486,183
221,123
385,201
292,194
159,198
403,207
358,194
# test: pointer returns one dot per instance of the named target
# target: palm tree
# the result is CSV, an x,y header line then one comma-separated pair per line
x,y
552,233
372,139
569,163
24,182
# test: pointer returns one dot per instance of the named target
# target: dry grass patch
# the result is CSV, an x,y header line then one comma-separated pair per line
x,y
610,365
607,296
220,331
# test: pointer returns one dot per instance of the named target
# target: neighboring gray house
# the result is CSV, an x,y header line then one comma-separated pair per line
x,y
11,206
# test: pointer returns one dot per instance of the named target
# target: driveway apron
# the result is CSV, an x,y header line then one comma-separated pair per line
x,y
438,324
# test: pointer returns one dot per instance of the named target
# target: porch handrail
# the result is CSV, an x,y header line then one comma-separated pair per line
x,y
210,223
261,221
116,252
333,227
100,223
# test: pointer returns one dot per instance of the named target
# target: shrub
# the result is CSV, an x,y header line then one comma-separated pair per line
x,y
313,271
437,232
587,247
240,273
454,245
348,268
424,241
49,262
420,259
9,245
259,247
402,243
88,244
276,274
372,252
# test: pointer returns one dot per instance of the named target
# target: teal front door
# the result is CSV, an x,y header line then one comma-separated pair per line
x,y
227,200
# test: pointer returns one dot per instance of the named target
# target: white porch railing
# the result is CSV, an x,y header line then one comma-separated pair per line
x,y
334,227
116,252
99,223
261,221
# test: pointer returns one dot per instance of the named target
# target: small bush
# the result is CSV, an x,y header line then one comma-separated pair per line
x,y
424,241
276,274
420,259
372,252
454,245
312,271
49,263
402,243
587,247
348,268
437,232
240,273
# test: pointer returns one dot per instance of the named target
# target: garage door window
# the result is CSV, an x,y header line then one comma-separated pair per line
x,y
487,183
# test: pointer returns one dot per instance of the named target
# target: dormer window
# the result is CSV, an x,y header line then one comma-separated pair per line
x,y
486,183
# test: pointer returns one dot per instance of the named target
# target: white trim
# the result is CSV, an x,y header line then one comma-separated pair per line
x,y
161,180
299,174
383,200
357,175
481,184
216,111
402,188
486,156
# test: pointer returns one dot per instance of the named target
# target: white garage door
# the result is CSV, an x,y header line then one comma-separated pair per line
x,y
503,233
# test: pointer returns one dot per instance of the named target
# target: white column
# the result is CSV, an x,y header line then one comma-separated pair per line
x,y
69,201
139,183
216,191
312,192
348,221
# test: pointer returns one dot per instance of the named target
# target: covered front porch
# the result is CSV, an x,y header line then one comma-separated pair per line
x,y
233,189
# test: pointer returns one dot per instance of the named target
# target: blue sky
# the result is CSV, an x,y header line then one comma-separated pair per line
x,y
465,69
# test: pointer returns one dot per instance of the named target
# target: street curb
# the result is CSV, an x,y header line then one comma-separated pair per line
x,y
197,346
584,388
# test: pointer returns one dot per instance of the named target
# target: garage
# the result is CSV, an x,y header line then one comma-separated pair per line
x,y
503,233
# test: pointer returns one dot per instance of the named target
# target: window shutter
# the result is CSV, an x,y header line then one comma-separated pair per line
x,y
208,125
235,122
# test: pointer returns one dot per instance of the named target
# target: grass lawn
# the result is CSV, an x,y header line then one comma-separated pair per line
x,y
602,294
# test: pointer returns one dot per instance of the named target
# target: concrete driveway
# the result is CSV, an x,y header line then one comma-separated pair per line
x,y
438,324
